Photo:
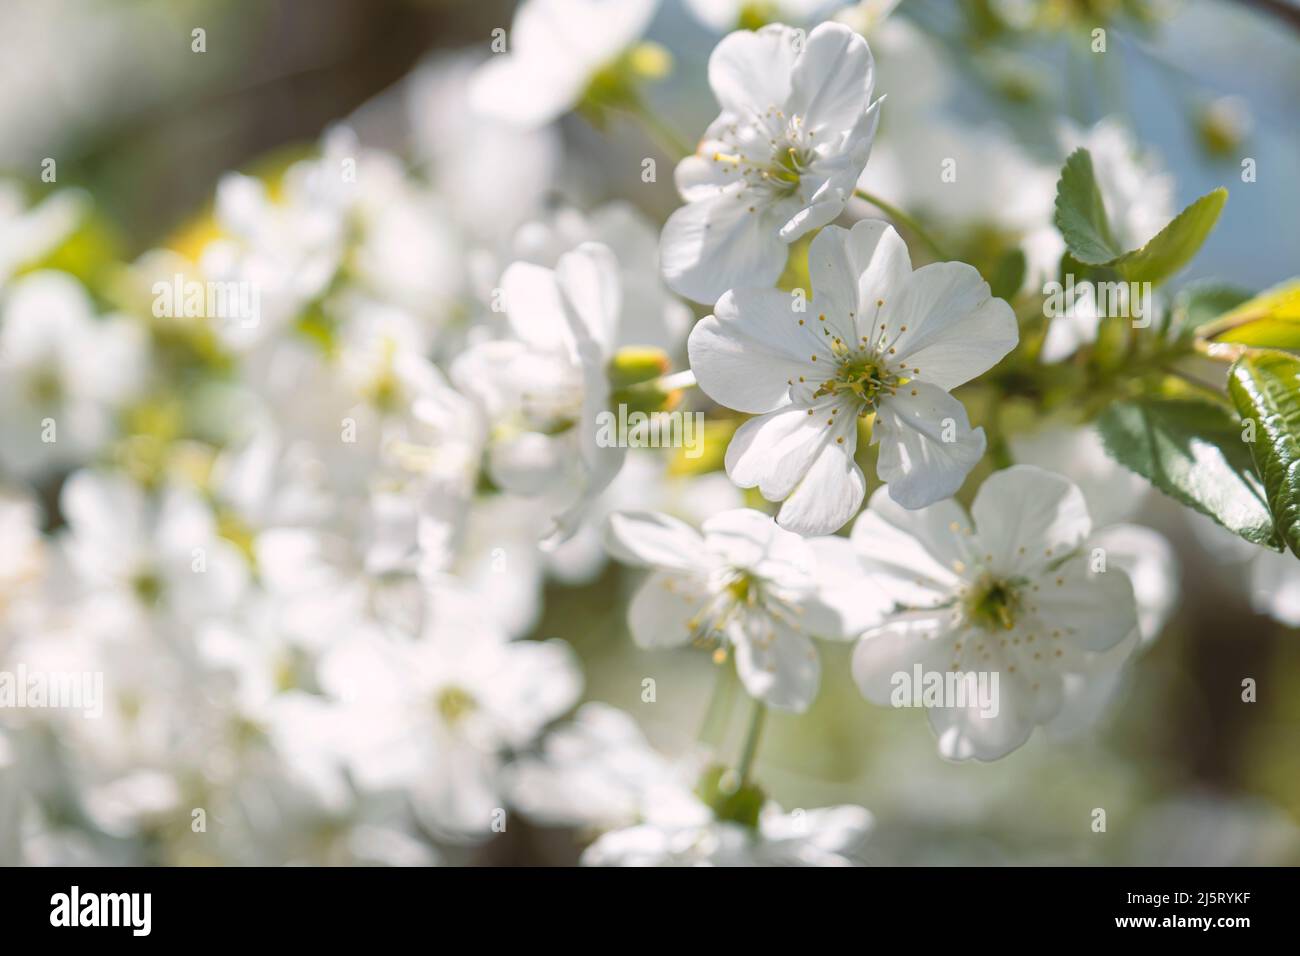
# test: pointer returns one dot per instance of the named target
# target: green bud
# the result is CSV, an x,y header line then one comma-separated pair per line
x,y
729,798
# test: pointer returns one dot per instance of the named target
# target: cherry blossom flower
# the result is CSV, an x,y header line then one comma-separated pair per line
x,y
558,48
744,584
877,338
1011,588
780,161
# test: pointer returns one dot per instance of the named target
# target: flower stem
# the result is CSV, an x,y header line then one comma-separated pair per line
x,y
752,737
893,212
659,131
714,724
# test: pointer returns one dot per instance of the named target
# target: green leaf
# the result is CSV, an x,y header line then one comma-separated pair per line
x,y
1200,302
1265,387
1008,274
1174,245
1192,450
1081,218
1271,319
1081,214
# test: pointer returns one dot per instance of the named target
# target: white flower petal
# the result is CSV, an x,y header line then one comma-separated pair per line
x,y
831,491
813,216
775,451
779,667
896,647
1097,610
965,734
846,602
1151,565
536,682
535,306
749,539
725,242
919,466
662,613
525,92
698,177
589,279
748,352
751,71
911,553
1027,507
831,82
955,328
654,540
852,268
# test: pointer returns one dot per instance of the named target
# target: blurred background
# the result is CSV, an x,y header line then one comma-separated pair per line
x,y
1186,771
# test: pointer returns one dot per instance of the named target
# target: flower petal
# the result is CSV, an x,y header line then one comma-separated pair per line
x,y
1096,610
1027,507
896,647
588,276
745,538
746,355
1151,565
955,328
915,460
654,540
525,92
846,602
663,611
778,665
852,268
965,733
813,216
831,490
535,306
775,451
832,79
750,72
726,242
911,554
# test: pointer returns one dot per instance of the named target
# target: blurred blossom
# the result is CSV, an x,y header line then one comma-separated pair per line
x,y
316,546
1013,587
63,372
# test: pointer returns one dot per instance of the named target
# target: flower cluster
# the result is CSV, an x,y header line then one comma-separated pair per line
x,y
293,506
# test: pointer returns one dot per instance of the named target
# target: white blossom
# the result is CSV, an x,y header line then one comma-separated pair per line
x,y
876,339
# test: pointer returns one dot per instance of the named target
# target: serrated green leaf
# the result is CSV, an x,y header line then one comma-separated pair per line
x,y
1081,218
1265,387
1174,245
1193,452
1271,319
1081,214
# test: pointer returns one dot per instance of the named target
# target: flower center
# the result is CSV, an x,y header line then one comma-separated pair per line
x,y
45,387
778,173
739,588
739,597
864,375
993,603
455,704
147,587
